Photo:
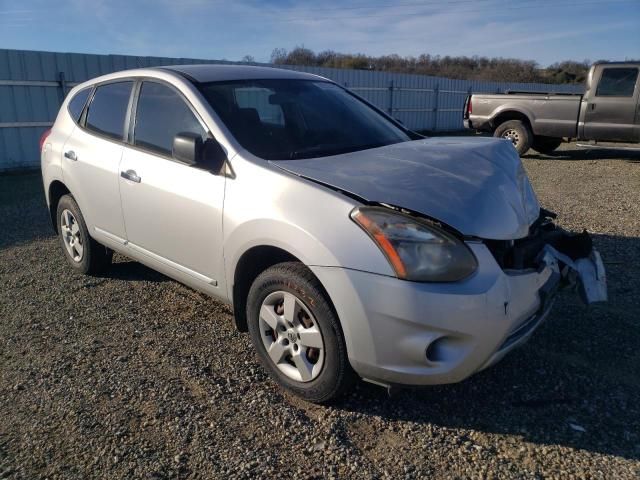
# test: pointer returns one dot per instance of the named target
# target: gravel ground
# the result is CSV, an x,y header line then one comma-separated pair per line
x,y
134,375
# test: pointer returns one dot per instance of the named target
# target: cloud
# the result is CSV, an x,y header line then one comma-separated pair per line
x,y
524,35
221,29
447,28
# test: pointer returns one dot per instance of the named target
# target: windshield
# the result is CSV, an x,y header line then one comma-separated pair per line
x,y
288,119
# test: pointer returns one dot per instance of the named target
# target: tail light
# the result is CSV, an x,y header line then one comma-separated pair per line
x,y
43,138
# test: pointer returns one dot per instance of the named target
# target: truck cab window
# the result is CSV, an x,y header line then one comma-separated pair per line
x,y
617,82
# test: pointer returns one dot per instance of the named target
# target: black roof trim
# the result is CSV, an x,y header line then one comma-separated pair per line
x,y
211,72
179,72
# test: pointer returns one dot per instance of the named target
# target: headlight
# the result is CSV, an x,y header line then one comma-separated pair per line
x,y
416,249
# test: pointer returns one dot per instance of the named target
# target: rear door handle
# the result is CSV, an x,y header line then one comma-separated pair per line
x,y
131,175
71,155
593,106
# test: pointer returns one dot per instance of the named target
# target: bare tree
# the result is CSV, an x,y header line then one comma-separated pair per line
x,y
470,68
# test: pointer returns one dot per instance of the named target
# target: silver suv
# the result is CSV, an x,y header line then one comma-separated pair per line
x,y
348,245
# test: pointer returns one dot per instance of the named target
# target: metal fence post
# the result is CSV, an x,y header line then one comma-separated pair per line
x,y
63,85
436,103
391,98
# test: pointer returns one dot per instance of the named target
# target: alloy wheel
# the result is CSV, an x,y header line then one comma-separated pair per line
x,y
291,336
71,235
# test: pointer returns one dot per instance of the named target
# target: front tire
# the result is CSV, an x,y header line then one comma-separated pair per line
x,y
82,252
518,132
296,333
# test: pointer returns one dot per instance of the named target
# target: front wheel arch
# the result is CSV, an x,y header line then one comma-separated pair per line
x,y
251,264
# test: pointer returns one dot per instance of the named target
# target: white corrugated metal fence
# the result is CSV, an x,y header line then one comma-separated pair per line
x,y
33,84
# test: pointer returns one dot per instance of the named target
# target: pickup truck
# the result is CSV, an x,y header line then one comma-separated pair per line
x,y
609,110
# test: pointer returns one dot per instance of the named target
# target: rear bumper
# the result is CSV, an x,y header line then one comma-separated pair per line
x,y
400,332
477,122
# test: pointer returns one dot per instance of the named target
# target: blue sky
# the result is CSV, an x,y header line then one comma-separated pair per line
x,y
541,30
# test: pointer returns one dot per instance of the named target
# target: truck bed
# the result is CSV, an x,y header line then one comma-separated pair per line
x,y
554,115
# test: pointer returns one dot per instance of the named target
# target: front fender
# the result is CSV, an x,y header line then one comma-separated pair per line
x,y
265,206
290,238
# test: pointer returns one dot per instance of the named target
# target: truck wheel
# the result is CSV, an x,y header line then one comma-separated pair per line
x,y
296,333
82,252
516,131
545,144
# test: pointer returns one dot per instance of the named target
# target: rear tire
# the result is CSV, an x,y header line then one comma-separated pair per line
x,y
516,131
82,252
545,145
297,334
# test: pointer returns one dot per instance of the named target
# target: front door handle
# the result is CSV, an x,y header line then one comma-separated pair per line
x,y
71,155
593,106
131,175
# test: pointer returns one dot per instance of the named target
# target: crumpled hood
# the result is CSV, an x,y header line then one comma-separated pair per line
x,y
476,185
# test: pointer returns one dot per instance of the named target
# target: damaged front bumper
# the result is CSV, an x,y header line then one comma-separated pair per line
x,y
570,258
411,333
586,275
574,261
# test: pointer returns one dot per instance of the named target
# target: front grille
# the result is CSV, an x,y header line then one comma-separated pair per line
x,y
523,253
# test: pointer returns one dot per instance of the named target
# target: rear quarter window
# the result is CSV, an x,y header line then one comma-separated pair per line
x,y
77,103
108,109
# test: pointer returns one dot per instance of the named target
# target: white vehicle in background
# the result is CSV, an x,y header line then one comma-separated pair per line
x,y
346,244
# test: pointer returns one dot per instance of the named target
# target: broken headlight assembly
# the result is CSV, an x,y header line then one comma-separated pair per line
x,y
416,249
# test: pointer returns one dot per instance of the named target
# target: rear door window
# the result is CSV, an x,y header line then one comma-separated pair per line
x,y
108,109
617,82
76,104
161,114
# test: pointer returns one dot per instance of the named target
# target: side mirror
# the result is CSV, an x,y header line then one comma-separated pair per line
x,y
187,148
213,156
190,149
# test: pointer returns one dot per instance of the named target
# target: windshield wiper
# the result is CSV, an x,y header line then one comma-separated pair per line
x,y
316,150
